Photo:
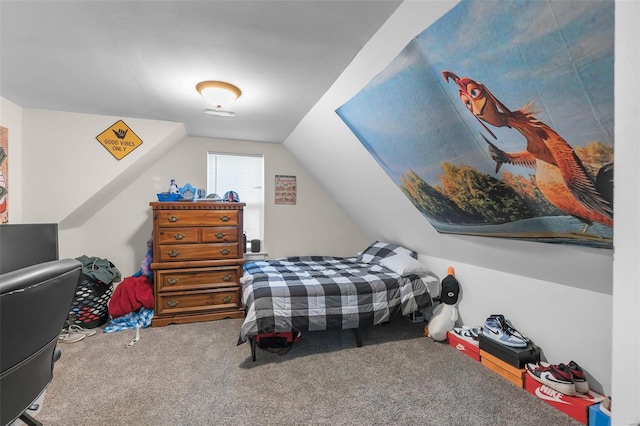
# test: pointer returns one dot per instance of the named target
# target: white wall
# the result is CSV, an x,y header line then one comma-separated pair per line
x,y
68,175
626,274
314,225
102,205
559,295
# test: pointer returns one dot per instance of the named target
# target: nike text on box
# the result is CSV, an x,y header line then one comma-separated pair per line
x,y
509,372
575,406
466,347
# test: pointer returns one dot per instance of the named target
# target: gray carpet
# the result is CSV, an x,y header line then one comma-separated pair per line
x,y
194,374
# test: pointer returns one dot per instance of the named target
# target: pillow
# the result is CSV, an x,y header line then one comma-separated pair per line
x,y
403,264
379,250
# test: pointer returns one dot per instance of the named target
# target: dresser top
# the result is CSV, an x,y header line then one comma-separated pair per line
x,y
196,205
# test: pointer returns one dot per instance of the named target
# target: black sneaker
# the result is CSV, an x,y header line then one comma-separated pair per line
x,y
557,377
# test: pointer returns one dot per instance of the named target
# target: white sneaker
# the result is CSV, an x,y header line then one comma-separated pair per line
x,y
74,333
467,333
67,336
77,329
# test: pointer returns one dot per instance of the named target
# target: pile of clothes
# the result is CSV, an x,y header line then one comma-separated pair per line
x,y
131,305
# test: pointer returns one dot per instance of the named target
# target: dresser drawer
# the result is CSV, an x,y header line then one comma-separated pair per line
x,y
184,252
220,234
208,234
197,217
195,301
178,235
196,278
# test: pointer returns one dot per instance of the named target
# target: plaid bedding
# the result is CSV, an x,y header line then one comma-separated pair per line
x,y
319,292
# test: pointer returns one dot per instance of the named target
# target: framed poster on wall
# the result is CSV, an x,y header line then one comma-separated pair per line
x,y
4,175
286,189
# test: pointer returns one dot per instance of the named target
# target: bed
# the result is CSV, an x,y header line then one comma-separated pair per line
x,y
313,293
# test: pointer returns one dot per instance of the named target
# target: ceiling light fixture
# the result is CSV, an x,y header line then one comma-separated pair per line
x,y
218,93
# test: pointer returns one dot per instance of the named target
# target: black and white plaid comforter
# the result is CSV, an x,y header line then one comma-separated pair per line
x,y
318,293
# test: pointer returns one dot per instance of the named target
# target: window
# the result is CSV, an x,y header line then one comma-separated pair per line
x,y
244,175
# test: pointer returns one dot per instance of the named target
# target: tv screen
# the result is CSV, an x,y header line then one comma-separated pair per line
x,y
23,245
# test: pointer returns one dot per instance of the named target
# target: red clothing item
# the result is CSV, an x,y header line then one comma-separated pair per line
x,y
130,295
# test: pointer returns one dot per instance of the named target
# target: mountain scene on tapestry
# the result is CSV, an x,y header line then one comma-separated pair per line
x,y
497,121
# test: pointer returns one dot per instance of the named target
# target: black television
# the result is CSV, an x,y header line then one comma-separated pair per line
x,y
27,244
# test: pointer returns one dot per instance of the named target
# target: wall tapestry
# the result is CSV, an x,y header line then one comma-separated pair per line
x,y
4,175
497,121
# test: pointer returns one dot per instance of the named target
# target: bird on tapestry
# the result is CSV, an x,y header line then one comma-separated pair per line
x,y
560,175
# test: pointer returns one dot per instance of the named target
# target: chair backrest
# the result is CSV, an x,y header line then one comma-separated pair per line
x,y
34,304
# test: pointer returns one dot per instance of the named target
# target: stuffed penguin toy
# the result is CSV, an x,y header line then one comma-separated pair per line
x,y
445,314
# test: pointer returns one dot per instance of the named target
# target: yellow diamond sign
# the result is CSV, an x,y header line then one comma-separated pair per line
x,y
119,140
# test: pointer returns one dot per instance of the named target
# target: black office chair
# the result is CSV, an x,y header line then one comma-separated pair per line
x,y
34,304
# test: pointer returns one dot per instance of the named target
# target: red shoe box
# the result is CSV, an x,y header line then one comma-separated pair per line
x,y
465,346
575,406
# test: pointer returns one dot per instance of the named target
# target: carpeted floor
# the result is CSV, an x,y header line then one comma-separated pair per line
x,y
194,374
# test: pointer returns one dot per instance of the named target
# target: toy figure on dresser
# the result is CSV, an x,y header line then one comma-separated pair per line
x,y
173,187
445,314
188,192
232,197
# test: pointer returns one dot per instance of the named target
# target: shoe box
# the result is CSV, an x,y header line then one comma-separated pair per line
x,y
513,374
516,357
575,406
467,347
597,417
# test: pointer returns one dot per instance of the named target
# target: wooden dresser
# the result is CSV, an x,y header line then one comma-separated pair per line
x,y
197,261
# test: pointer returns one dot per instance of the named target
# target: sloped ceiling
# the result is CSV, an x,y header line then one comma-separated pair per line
x,y
334,156
142,59
296,62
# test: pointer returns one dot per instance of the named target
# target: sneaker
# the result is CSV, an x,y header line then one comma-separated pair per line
x,y
77,329
466,333
499,329
579,378
74,333
557,377
67,336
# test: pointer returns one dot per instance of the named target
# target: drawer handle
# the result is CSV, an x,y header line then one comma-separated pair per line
x,y
225,218
172,303
173,253
226,278
179,236
173,218
225,252
172,281
220,235
226,299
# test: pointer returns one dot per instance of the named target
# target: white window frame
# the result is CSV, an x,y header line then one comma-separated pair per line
x,y
251,222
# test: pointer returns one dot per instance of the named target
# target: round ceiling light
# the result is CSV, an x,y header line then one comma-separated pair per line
x,y
218,93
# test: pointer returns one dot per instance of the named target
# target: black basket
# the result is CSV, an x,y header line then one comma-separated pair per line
x,y
89,308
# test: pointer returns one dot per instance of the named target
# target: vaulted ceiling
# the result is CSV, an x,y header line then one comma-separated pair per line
x,y
142,59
